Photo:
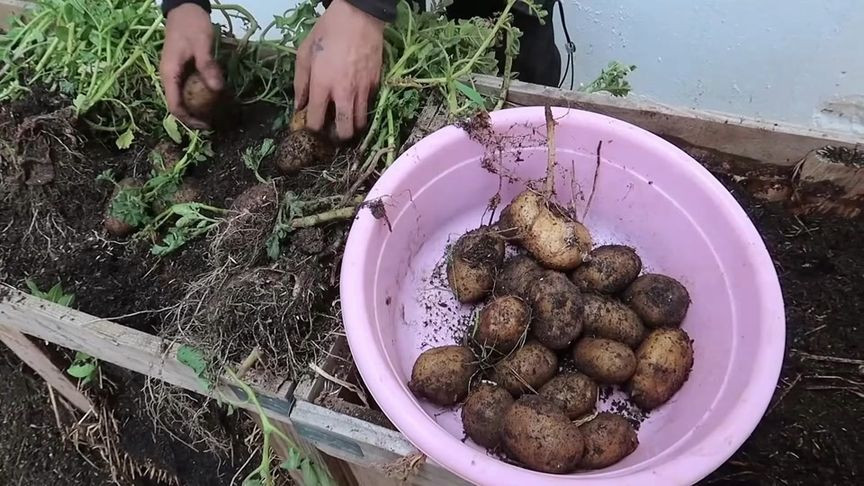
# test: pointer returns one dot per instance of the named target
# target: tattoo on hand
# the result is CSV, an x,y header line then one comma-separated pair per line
x,y
317,45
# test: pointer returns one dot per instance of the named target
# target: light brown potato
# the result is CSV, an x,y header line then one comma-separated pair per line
x,y
526,369
502,324
557,310
298,122
606,361
659,300
609,269
302,149
607,318
663,363
165,155
473,263
539,435
116,226
517,275
575,393
546,231
188,192
199,100
608,439
442,375
484,412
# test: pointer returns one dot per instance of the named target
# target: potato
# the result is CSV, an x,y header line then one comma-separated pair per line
x,y
558,310
298,122
663,363
575,393
502,323
199,100
116,226
608,439
608,269
165,155
253,199
659,300
301,149
608,362
187,192
473,262
517,275
526,369
607,318
442,375
546,231
483,413
539,435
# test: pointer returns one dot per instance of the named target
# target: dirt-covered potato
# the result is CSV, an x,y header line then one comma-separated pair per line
x,y
517,275
659,300
442,375
189,191
608,439
663,363
473,262
526,369
483,413
113,225
607,318
606,361
539,435
301,149
554,238
608,269
557,310
502,323
199,100
165,155
575,393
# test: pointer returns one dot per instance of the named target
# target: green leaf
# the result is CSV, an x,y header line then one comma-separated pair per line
x,y
292,463
471,93
252,482
83,367
192,358
171,128
309,472
34,289
124,141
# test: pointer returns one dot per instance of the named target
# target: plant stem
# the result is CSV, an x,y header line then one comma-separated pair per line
x,y
325,217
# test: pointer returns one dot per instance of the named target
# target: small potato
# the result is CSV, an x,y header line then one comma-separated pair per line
x,y
502,323
526,369
188,192
483,413
517,275
606,361
610,319
575,393
442,375
302,149
116,226
663,363
473,262
255,198
539,435
546,231
659,300
608,439
165,155
298,122
609,269
199,100
558,310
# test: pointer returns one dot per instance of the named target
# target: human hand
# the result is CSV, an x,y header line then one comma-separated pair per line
x,y
188,39
339,61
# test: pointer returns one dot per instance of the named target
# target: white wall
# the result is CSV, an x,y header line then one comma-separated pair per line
x,y
785,60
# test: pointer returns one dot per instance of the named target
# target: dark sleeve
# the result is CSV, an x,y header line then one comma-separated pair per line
x,y
381,9
169,5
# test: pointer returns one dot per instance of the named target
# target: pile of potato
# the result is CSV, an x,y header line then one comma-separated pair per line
x,y
559,300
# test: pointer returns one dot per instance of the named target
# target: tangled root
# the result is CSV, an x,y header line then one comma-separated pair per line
x,y
241,239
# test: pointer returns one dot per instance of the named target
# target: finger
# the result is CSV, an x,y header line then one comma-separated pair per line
x,y
361,107
207,66
316,110
171,74
345,100
302,71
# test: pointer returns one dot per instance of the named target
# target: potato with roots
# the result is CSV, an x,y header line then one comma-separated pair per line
x,y
483,413
538,434
608,269
502,324
200,101
113,225
526,369
605,317
301,149
546,231
608,438
517,275
557,310
663,363
606,361
473,262
240,239
659,300
575,393
442,375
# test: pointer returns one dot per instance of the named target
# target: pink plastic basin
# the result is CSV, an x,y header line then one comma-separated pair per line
x,y
649,195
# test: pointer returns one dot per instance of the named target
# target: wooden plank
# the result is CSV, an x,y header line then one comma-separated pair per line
x,y
36,359
123,346
767,142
